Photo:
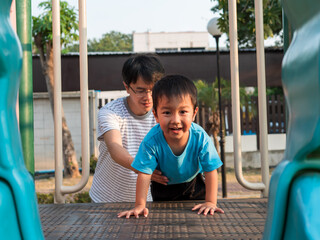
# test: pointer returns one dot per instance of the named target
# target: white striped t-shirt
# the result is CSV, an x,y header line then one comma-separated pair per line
x,y
112,182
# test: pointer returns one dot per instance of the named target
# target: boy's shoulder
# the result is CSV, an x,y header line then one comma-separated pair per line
x,y
198,132
155,132
197,128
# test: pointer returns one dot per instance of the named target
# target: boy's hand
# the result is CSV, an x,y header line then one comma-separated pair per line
x,y
138,210
159,178
207,207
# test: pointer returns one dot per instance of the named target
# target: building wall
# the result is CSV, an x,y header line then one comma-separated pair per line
x,y
104,69
44,127
163,41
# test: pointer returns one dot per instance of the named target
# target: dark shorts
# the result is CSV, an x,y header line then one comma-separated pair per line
x,y
193,190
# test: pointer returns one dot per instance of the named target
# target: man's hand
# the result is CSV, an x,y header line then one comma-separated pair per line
x,y
159,178
207,207
138,210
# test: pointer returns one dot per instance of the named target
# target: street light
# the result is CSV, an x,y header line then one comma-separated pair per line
x,y
214,30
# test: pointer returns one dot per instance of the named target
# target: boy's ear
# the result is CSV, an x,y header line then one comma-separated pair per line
x,y
155,115
195,113
126,86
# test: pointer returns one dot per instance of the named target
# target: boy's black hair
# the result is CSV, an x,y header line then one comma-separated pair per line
x,y
146,66
173,86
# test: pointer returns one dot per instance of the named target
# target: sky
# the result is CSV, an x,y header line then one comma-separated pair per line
x,y
127,16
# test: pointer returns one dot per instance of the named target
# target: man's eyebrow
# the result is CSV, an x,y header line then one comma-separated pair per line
x,y
142,88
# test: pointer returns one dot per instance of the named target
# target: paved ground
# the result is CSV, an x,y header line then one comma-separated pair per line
x,y
243,219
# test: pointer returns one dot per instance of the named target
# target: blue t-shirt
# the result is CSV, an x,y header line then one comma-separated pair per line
x,y
199,155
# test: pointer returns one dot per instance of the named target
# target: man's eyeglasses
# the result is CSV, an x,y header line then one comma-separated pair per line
x,y
142,92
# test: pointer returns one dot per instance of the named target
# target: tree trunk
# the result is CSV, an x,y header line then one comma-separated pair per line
x,y
71,167
213,127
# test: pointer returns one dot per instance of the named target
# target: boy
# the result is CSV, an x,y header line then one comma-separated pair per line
x,y
176,146
122,125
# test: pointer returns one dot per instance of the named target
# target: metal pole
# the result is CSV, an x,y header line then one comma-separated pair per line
x,y
223,167
261,74
23,13
58,197
235,97
84,102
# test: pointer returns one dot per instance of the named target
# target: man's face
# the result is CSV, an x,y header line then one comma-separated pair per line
x,y
140,99
175,116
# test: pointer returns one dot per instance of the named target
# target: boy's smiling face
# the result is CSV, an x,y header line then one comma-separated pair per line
x,y
175,116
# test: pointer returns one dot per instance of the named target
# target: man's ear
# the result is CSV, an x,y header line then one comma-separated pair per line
x,y
126,86
195,113
155,115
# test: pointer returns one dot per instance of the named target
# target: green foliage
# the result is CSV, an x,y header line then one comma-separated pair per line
x,y
270,91
42,24
93,163
209,96
110,42
82,197
48,198
45,198
272,19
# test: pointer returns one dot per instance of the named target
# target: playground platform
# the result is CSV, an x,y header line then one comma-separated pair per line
x,y
243,219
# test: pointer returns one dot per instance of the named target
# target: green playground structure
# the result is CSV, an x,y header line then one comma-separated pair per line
x,y
294,194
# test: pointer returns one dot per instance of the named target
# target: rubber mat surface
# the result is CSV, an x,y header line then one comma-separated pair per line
x,y
243,219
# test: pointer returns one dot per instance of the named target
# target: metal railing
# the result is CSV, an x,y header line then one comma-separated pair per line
x,y
234,67
60,190
107,96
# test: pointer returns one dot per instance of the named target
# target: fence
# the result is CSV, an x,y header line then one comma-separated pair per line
x,y
249,112
249,116
107,96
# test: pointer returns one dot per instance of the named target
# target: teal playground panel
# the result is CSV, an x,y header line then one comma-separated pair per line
x,y
19,215
294,209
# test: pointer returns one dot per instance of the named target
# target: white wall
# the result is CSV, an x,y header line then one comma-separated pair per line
x,y
150,41
44,128
249,143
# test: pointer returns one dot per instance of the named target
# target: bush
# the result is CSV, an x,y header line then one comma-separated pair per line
x,y
48,198
82,197
93,163
45,198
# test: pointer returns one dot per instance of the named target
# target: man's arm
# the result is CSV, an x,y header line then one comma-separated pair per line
x,y
121,156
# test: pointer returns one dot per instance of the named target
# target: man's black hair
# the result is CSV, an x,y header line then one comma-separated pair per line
x,y
173,86
146,66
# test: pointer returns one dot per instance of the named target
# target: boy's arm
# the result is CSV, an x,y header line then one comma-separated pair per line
x,y
210,206
143,182
211,180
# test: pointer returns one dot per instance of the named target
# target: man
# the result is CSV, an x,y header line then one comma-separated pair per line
x,y
122,125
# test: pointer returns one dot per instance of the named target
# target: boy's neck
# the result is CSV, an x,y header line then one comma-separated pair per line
x,y
178,146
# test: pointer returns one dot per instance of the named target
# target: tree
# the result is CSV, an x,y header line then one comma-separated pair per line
x,y
42,35
272,19
208,95
110,42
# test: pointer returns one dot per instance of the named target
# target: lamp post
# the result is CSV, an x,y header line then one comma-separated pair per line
x,y
214,30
